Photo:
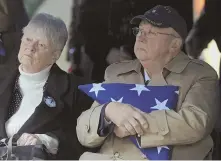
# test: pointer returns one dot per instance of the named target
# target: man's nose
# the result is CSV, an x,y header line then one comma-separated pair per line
x,y
141,38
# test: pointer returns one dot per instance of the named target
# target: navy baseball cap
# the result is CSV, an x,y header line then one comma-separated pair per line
x,y
163,17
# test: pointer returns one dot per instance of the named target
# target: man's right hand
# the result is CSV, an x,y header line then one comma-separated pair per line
x,y
126,116
121,132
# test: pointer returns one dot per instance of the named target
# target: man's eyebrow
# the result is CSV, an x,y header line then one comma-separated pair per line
x,y
141,29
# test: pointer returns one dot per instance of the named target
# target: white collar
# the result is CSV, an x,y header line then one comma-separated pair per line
x,y
35,77
146,76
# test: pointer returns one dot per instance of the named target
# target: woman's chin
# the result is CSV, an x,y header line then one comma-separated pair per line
x,y
26,63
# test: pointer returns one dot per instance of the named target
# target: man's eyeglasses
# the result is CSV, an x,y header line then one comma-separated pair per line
x,y
138,32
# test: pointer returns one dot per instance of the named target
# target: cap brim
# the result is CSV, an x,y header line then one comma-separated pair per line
x,y
137,19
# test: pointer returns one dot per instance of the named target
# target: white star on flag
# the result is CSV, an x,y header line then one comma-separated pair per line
x,y
159,148
139,88
96,88
177,92
120,100
160,105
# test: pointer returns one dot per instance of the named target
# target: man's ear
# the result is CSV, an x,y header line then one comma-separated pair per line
x,y
175,45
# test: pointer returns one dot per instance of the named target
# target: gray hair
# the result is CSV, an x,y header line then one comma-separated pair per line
x,y
53,28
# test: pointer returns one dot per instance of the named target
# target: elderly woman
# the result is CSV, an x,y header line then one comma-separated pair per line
x,y
39,101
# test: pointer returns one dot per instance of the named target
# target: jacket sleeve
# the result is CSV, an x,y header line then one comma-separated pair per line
x,y
88,124
192,122
87,127
69,147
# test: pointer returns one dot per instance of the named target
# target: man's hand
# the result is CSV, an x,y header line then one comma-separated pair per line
x,y
28,139
126,116
121,132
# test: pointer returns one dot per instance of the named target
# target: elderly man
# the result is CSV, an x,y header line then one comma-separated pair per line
x,y
160,61
40,102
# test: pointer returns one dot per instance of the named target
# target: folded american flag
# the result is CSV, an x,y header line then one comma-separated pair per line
x,y
145,98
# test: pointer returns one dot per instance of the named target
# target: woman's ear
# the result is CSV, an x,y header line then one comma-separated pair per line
x,y
56,55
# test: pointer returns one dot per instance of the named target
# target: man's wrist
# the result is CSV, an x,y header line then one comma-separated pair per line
x,y
105,126
107,121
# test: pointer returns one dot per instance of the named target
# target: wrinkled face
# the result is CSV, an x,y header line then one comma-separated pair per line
x,y
35,52
152,43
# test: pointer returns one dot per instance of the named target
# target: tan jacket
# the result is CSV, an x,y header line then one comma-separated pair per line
x,y
188,129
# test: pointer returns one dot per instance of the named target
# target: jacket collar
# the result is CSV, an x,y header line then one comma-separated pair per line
x,y
176,65
55,91
54,86
55,78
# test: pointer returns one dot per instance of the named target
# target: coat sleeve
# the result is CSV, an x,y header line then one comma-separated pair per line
x,y
87,127
88,124
191,123
69,147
